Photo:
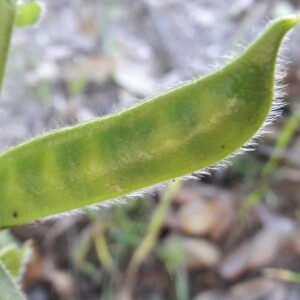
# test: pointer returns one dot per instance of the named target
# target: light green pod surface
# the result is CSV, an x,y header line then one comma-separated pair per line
x,y
169,136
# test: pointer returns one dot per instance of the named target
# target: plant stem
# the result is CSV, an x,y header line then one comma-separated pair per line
x,y
102,247
284,138
153,230
7,16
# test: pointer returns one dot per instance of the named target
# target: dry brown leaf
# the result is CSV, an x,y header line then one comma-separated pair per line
x,y
257,288
252,254
198,252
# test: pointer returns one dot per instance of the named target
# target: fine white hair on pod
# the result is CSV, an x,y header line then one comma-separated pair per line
x,y
275,112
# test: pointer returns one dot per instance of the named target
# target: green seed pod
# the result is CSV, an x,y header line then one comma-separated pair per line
x,y
168,136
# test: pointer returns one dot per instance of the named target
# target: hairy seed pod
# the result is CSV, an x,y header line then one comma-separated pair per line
x,y
168,136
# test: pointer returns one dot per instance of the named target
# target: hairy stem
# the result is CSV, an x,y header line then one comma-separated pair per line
x,y
8,288
7,16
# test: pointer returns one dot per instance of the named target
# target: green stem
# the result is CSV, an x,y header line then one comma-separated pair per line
x,y
7,16
154,228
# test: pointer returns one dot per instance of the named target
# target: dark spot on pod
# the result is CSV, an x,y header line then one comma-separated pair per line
x,y
15,214
223,146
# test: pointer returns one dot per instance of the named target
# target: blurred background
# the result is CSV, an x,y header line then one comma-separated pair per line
x,y
234,233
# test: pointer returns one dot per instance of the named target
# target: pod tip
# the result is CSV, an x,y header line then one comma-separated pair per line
x,y
289,20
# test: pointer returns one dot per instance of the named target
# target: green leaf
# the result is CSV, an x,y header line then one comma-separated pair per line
x,y
14,257
8,288
6,238
27,13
